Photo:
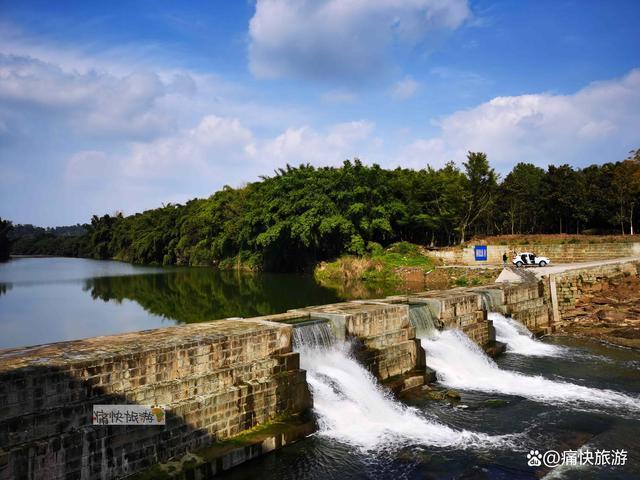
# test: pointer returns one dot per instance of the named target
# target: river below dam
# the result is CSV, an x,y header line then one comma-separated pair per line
x,y
566,395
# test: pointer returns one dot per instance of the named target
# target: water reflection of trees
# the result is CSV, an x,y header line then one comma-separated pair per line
x,y
193,295
4,288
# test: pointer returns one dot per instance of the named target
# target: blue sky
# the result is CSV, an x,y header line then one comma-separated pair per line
x,y
123,106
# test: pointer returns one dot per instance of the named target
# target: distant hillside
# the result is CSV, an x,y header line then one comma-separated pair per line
x,y
66,241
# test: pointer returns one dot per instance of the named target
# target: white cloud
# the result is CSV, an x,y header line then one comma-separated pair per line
x,y
596,124
404,89
88,164
203,151
342,40
94,102
202,159
210,148
423,152
302,145
339,96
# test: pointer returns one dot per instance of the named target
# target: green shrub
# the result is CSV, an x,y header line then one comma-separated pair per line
x,y
357,246
462,282
375,248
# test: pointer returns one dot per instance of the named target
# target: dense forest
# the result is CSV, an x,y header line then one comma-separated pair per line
x,y
5,242
68,241
302,215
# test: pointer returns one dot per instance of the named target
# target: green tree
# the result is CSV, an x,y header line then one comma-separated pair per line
x,y
566,197
520,198
480,191
626,188
5,242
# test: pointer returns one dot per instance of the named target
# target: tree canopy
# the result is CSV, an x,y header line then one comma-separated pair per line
x,y
302,215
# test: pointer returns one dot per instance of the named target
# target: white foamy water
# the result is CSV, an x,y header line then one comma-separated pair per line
x,y
352,408
460,363
520,340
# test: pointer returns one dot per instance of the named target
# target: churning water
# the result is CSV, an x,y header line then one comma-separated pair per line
x,y
460,363
365,433
520,340
352,408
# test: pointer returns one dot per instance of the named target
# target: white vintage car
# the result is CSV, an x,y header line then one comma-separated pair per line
x,y
531,259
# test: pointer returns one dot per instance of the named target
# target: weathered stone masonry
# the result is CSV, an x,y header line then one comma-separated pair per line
x,y
561,290
216,380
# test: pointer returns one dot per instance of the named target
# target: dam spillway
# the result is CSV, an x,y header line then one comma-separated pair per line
x,y
226,377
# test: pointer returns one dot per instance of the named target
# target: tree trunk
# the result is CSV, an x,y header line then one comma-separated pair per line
x,y
631,221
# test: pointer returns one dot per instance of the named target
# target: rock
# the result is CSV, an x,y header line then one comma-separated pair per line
x,y
435,394
630,333
453,395
611,316
495,348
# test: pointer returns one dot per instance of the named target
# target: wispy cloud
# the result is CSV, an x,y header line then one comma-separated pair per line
x,y
598,123
404,89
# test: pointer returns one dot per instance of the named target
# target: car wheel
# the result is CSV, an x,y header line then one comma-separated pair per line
x,y
518,264
542,263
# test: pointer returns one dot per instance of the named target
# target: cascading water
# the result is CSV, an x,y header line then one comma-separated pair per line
x,y
422,319
487,301
352,408
520,340
313,334
460,363
492,299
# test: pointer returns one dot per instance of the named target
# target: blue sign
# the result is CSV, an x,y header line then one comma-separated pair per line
x,y
480,252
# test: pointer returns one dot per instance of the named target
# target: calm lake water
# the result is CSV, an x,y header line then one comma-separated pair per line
x,y
45,300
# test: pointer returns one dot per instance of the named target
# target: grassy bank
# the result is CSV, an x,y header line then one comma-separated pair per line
x,y
379,268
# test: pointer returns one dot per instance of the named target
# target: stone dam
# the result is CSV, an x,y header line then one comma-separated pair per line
x,y
233,389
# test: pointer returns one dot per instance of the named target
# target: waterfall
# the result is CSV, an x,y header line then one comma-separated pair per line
x,y
352,408
422,319
487,301
313,334
520,340
460,363
492,299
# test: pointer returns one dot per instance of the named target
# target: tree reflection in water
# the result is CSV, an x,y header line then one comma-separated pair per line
x,y
191,295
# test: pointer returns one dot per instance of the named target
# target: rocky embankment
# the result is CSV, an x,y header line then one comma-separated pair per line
x,y
611,314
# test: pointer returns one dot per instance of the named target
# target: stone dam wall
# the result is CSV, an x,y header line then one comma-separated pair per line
x,y
557,253
229,377
561,290
216,380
